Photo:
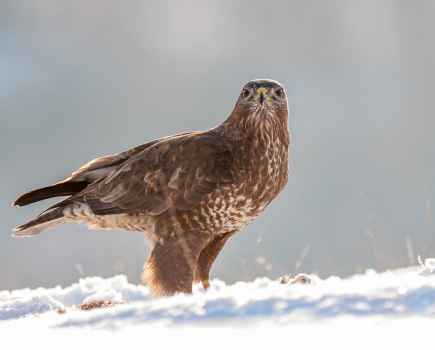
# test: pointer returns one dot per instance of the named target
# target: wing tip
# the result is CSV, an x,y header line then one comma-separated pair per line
x,y
20,201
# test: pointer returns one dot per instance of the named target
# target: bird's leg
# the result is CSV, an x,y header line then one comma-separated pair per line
x,y
207,257
171,265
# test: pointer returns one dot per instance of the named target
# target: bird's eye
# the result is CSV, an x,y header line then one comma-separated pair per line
x,y
280,92
245,93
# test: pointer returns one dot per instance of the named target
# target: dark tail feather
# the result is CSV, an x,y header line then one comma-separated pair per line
x,y
58,190
43,221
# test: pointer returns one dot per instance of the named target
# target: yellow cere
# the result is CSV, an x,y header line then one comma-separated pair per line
x,y
262,90
265,93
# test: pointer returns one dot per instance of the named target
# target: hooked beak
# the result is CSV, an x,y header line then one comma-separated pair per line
x,y
261,98
261,95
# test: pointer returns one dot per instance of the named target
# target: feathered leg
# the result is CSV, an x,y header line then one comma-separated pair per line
x,y
171,265
207,257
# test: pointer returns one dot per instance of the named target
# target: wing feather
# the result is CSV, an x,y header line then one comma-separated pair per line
x,y
173,173
102,166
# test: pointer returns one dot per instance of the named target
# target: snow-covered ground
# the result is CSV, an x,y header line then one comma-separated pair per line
x,y
391,308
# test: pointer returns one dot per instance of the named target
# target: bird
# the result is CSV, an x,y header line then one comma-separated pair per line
x,y
189,193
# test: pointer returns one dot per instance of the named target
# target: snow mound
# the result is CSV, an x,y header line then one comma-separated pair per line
x,y
116,304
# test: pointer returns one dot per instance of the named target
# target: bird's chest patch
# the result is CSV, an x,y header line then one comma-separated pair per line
x,y
233,206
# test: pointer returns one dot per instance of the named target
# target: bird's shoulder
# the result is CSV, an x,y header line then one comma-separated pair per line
x,y
188,150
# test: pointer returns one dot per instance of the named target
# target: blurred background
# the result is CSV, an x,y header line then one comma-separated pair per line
x,y
81,79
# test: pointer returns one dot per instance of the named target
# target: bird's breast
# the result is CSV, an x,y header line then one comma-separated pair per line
x,y
257,181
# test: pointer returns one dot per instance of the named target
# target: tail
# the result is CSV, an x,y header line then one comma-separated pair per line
x,y
45,220
58,190
53,215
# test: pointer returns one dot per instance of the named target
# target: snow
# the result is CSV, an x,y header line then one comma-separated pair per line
x,y
392,307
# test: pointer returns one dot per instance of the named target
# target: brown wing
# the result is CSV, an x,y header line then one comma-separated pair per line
x,y
102,166
83,177
173,173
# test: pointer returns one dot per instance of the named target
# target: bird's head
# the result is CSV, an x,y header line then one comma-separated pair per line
x,y
262,94
261,102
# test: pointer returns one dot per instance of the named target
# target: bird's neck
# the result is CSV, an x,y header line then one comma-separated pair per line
x,y
257,131
260,154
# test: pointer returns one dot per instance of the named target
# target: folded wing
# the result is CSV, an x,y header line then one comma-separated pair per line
x,y
83,177
174,173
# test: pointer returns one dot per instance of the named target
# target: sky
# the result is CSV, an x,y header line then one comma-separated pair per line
x,y
81,80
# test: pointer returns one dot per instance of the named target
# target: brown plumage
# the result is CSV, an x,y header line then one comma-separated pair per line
x,y
189,193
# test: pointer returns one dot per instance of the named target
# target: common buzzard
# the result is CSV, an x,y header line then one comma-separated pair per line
x,y
189,193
